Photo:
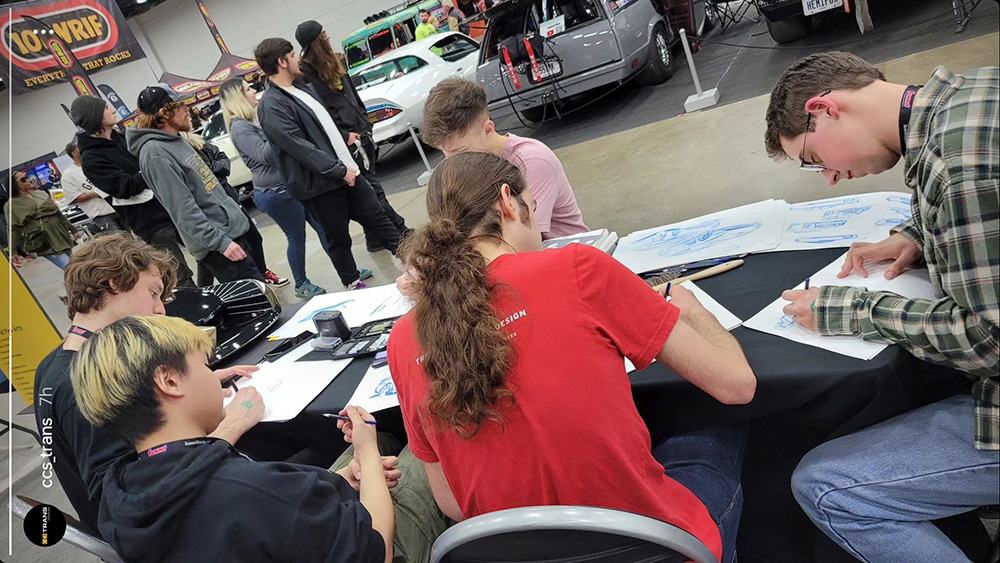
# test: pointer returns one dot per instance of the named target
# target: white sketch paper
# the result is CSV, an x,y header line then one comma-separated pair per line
x,y
358,307
913,284
288,387
750,228
376,391
728,320
842,221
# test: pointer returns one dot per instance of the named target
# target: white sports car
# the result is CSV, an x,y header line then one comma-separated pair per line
x,y
395,86
215,132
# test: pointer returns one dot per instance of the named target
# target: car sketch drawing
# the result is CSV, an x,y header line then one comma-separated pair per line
x,y
681,241
385,388
814,226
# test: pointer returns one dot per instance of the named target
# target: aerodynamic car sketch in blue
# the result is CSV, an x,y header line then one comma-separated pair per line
x,y
825,239
385,388
309,318
899,199
678,242
828,204
903,215
848,213
814,226
785,322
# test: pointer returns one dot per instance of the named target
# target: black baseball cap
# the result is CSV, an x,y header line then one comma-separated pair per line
x,y
153,98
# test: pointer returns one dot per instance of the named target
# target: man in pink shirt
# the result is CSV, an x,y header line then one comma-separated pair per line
x,y
456,120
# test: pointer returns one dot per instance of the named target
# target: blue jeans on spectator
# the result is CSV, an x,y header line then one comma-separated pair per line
x,y
291,218
876,491
61,259
709,462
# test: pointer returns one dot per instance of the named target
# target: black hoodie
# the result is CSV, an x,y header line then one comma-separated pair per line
x,y
202,500
113,169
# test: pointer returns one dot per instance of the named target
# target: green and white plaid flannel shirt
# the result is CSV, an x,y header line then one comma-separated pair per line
x,y
952,163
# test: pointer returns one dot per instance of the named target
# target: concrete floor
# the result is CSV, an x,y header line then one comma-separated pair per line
x,y
642,177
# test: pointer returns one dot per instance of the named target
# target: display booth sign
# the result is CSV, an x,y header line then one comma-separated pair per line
x,y
28,333
94,30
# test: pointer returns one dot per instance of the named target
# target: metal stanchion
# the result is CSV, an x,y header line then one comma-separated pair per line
x,y
701,99
424,176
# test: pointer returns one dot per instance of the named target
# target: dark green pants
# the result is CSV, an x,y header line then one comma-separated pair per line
x,y
419,521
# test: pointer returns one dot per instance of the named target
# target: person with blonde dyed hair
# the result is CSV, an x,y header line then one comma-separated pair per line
x,y
188,496
239,111
108,278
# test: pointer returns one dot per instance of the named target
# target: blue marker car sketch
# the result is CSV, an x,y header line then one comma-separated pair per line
x,y
678,242
814,226
899,199
904,214
825,239
827,204
846,213
785,322
385,388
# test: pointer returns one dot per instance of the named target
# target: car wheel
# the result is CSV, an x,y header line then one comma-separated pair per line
x,y
789,29
660,66
535,114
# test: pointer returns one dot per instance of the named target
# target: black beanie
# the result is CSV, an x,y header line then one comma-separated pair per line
x,y
307,32
88,113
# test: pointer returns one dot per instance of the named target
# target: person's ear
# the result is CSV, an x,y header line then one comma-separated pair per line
x,y
489,127
169,382
506,203
819,105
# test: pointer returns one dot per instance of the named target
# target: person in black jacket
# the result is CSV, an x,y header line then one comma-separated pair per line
x,y
112,168
108,278
219,162
331,85
182,495
314,158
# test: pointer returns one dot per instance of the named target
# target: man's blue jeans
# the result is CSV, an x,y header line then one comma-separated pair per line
x,y
709,462
876,491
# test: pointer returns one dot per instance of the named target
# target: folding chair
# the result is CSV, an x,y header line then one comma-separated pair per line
x,y
731,13
567,534
74,533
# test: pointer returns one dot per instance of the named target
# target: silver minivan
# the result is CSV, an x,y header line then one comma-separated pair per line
x,y
537,52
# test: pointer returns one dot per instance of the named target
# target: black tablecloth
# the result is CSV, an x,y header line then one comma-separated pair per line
x,y
805,396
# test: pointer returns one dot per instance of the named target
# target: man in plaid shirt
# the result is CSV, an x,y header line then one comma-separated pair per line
x,y
875,492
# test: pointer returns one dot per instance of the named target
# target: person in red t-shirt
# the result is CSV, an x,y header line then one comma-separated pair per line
x,y
511,377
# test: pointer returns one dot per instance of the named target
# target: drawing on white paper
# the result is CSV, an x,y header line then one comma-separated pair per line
x,y
785,322
899,199
823,204
901,215
678,242
384,388
848,213
825,239
273,386
814,226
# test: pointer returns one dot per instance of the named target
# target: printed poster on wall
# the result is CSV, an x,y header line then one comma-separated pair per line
x,y
95,30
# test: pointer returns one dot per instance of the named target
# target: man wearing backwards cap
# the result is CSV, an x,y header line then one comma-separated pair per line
x,y
211,224
106,161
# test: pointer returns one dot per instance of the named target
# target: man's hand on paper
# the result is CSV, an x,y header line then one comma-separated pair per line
x,y
352,473
245,411
801,306
897,247
242,371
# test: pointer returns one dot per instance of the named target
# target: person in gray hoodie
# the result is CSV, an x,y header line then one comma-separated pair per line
x,y
210,223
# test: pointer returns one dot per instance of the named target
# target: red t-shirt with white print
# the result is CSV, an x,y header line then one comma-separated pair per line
x,y
573,435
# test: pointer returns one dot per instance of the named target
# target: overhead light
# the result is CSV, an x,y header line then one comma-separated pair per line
x,y
140,1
